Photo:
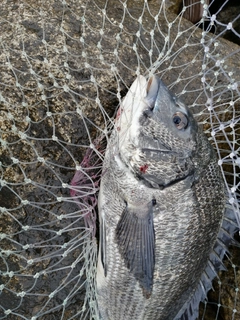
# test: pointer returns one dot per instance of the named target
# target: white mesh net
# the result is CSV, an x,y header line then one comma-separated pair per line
x,y
65,66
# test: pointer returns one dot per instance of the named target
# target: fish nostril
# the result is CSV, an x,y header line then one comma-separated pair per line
x,y
151,106
148,112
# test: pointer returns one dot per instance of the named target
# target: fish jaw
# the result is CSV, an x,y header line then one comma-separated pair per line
x,y
129,112
139,99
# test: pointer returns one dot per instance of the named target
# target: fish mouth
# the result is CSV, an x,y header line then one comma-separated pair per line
x,y
153,87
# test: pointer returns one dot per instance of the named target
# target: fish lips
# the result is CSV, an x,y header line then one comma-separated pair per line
x,y
154,88
157,94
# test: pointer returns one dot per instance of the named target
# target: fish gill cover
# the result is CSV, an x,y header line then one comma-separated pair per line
x,y
65,67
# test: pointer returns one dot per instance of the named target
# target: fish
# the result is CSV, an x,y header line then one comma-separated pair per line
x,y
163,221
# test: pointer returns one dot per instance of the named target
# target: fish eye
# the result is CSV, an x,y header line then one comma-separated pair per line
x,y
180,120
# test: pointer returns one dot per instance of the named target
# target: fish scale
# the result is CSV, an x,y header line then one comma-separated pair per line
x,y
158,232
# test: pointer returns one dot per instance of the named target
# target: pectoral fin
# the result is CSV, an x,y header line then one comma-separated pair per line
x,y
136,242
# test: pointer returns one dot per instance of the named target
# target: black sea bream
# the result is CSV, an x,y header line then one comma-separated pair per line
x,y
161,210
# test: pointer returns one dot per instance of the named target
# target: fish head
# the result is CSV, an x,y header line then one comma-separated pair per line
x,y
157,135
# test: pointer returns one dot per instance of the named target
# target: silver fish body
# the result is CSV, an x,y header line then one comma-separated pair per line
x,y
161,210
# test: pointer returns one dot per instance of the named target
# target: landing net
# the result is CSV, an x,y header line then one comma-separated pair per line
x,y
64,68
